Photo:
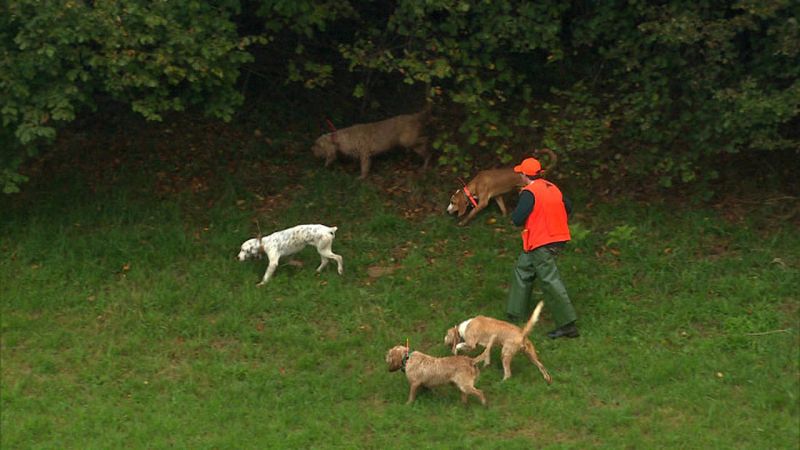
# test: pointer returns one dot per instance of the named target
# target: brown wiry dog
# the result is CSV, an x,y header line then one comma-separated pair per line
x,y
487,184
490,184
424,370
482,330
363,141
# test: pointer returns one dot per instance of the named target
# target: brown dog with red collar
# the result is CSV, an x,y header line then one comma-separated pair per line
x,y
486,331
489,184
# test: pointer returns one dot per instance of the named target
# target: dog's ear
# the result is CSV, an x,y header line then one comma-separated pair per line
x,y
334,142
462,207
394,358
460,201
452,333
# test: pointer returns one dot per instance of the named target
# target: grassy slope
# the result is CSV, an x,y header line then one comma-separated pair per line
x,y
126,321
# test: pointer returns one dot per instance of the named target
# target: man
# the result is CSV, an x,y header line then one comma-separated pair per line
x,y
543,210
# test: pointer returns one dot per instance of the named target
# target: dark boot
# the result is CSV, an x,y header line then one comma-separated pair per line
x,y
569,330
514,319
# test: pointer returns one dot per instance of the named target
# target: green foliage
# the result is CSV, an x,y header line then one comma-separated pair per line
x,y
61,58
685,83
578,232
620,235
472,55
632,91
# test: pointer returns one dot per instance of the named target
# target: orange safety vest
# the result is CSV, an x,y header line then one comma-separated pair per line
x,y
547,223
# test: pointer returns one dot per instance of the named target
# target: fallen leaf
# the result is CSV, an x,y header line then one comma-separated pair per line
x,y
779,262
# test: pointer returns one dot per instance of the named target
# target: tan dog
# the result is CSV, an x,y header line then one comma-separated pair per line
x,y
487,185
482,330
363,141
424,370
490,184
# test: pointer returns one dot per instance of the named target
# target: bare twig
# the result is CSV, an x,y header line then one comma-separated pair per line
x,y
787,330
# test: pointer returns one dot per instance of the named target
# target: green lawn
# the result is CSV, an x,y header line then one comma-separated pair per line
x,y
126,321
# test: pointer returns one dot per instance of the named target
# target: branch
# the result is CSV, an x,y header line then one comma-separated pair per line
x,y
787,330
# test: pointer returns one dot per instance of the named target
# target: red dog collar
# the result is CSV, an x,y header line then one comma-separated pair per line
x,y
470,197
333,131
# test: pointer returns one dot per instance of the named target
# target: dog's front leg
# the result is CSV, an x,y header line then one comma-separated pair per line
x,y
486,356
463,345
273,264
470,215
412,393
326,255
330,159
482,203
365,163
502,204
420,147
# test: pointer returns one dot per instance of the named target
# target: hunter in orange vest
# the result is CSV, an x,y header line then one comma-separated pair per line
x,y
542,210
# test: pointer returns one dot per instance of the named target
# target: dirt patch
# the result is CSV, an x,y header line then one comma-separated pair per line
x,y
381,271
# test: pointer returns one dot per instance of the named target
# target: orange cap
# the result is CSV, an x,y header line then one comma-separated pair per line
x,y
528,166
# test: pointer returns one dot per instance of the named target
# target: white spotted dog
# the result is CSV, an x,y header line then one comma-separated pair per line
x,y
290,241
486,331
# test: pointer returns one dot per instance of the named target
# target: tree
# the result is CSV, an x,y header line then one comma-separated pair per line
x,y
624,89
61,58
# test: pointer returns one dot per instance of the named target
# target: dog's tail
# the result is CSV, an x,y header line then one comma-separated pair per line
x,y
534,318
551,154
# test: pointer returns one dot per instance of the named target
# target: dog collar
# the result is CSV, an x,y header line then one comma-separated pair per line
x,y
470,197
405,360
333,132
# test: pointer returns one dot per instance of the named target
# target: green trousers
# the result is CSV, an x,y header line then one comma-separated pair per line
x,y
539,263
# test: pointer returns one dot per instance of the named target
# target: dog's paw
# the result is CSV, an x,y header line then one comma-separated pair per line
x,y
262,283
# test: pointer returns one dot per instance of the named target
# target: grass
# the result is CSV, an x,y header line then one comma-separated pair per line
x,y
126,321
